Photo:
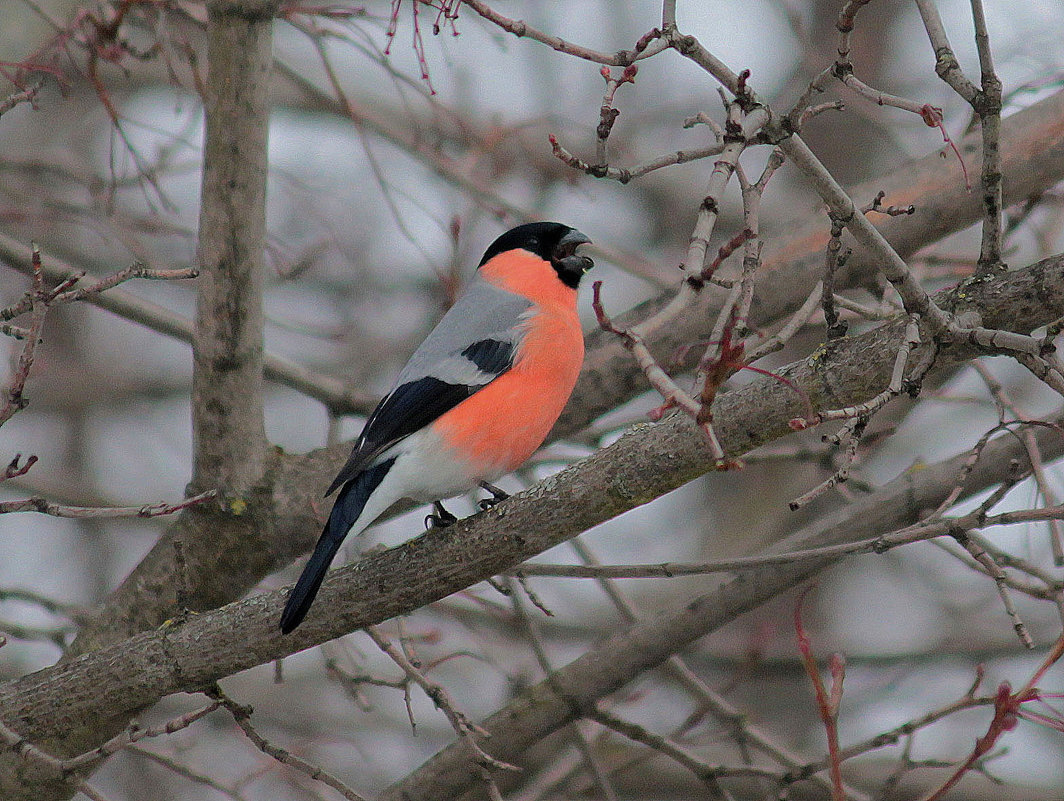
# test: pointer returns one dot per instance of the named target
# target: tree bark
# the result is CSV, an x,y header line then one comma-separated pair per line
x,y
229,440
285,525
98,691
562,697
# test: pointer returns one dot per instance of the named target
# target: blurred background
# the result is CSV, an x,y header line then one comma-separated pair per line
x,y
375,216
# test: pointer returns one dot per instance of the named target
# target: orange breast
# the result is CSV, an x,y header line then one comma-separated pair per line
x,y
498,428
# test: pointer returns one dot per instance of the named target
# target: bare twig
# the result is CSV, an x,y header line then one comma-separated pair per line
x,y
625,174
827,702
709,774
851,433
20,96
594,766
1005,403
928,529
979,554
902,380
14,469
330,391
672,393
985,100
608,113
1008,710
789,328
833,260
648,45
67,769
746,734
242,715
465,728
46,507
185,772
38,301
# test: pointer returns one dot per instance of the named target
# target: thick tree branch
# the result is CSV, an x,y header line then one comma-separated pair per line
x,y
1032,153
1033,157
112,682
567,693
228,435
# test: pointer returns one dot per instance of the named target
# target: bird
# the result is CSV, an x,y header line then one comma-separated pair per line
x,y
475,400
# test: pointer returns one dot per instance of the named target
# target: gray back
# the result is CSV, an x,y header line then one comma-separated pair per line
x,y
482,311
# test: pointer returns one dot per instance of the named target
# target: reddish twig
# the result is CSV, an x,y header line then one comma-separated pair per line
x,y
827,702
726,250
672,393
717,369
14,469
1008,711
933,119
607,112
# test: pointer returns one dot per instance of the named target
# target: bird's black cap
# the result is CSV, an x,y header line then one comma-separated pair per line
x,y
551,241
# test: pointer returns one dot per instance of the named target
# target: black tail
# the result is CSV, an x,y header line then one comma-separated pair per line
x,y
302,595
349,504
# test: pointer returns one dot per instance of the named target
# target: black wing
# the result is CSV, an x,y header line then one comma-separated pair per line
x,y
491,355
415,404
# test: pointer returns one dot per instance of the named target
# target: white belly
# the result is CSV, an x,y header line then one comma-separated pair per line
x,y
424,470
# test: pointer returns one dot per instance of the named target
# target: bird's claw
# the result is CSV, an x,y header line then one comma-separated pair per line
x,y
496,496
440,518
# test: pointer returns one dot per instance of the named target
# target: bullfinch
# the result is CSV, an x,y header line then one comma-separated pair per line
x,y
478,396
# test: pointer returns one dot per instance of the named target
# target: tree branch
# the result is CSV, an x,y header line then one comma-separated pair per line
x,y
327,389
567,693
228,435
1032,155
109,684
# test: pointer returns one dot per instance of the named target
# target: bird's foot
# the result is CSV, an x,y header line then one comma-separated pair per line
x,y
440,518
496,495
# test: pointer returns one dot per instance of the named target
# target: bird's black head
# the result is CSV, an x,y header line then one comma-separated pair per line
x,y
550,241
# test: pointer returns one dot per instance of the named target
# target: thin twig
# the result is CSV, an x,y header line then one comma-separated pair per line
x,y
709,774
980,554
746,734
985,101
827,702
44,506
242,715
465,728
20,96
597,771
1005,403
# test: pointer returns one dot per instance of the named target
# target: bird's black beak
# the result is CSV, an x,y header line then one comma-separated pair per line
x,y
571,266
